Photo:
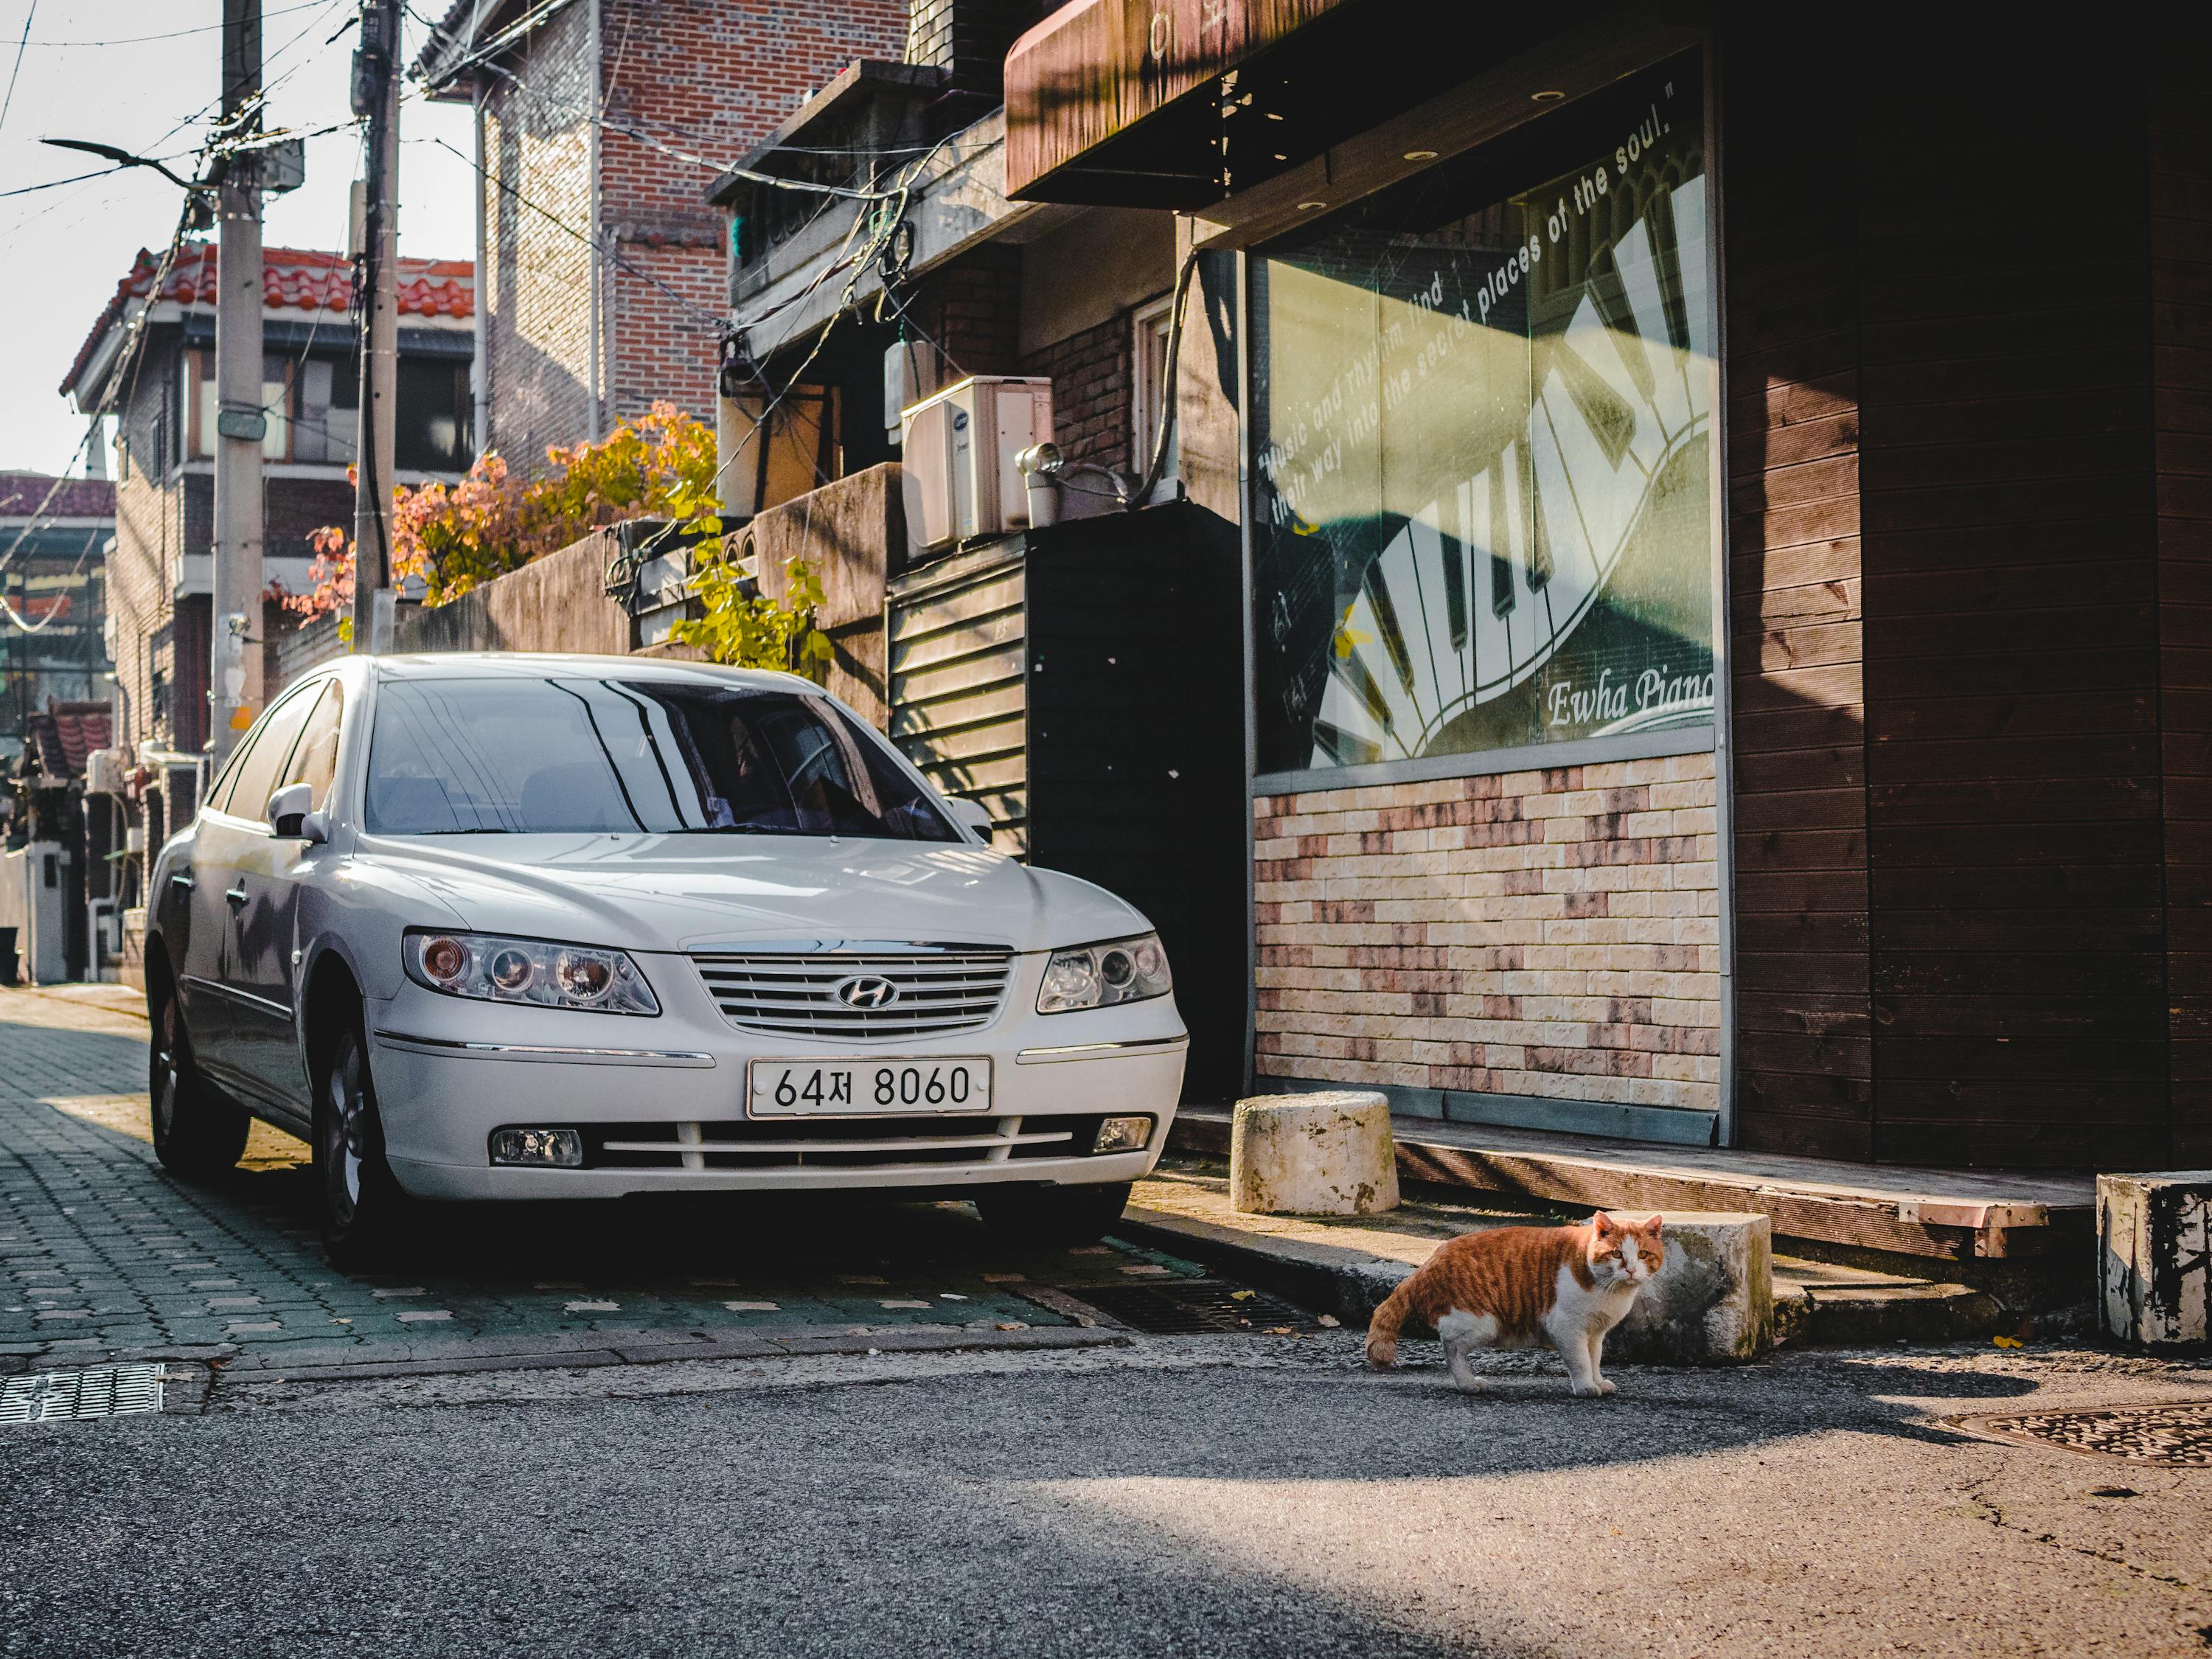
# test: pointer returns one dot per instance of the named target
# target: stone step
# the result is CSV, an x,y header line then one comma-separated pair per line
x,y
1965,1217
1820,1305
1344,1265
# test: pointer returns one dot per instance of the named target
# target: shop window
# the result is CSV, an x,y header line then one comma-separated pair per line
x,y
1483,447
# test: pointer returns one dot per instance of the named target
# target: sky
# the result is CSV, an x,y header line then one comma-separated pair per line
x,y
126,72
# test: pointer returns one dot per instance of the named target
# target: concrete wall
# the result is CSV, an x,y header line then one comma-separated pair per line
x,y
849,532
557,603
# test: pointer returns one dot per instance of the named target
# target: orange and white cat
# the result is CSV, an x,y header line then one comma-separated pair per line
x,y
1509,1287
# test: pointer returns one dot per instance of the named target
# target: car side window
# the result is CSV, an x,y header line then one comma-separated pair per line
x,y
272,745
315,757
219,792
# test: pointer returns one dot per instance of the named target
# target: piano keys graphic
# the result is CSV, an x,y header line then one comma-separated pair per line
x,y
1477,592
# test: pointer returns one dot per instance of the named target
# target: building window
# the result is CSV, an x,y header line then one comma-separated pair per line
x,y
431,426
329,411
1149,391
276,404
1483,432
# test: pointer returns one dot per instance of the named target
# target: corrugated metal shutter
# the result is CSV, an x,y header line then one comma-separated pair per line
x,y
959,690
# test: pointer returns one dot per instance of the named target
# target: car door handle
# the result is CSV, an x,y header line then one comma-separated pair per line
x,y
183,881
236,898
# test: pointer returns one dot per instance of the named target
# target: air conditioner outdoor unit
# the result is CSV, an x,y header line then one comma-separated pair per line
x,y
957,450
103,769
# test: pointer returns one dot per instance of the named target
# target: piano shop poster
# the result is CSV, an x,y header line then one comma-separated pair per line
x,y
1483,447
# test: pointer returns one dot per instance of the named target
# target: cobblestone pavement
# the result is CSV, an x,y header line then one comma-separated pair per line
x,y
103,1254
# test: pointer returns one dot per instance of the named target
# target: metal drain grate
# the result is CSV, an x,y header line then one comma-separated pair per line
x,y
2179,1437
1189,1307
73,1396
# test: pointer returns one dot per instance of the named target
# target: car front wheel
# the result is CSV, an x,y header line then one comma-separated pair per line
x,y
361,1203
197,1134
1060,1216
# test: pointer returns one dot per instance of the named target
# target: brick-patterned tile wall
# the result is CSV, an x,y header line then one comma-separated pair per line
x,y
1091,392
1548,933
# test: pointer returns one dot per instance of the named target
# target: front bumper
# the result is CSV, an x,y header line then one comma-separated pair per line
x,y
447,1073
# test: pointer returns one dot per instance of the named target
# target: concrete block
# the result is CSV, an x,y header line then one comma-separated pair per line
x,y
2155,1257
1322,1153
1713,1301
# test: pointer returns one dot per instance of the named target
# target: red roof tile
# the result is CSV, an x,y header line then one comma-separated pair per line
x,y
63,736
20,493
305,279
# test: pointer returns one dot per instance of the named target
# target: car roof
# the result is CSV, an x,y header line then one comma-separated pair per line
x,y
543,664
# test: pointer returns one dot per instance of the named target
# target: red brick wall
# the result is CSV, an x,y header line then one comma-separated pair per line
x,y
1091,392
972,309
711,78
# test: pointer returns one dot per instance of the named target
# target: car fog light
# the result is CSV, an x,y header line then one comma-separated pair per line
x,y
557,1149
1123,1134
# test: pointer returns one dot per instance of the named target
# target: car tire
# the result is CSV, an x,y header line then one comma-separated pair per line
x,y
197,1134
1062,1216
362,1205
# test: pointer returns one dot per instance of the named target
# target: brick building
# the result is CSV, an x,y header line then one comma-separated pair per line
x,y
1710,683
53,579
149,362
598,125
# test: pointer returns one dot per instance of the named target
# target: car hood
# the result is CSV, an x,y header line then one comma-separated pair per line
x,y
691,893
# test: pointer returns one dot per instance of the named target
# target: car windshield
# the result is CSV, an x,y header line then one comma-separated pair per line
x,y
520,756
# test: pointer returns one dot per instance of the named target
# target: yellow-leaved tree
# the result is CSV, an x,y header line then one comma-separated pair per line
x,y
660,465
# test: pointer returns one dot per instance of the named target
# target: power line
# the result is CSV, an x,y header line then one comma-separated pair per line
x,y
171,35
9,102
585,237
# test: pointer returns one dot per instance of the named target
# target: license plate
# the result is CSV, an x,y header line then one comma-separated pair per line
x,y
867,1088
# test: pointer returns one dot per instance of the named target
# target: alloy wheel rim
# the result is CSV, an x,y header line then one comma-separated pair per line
x,y
165,1071
345,1131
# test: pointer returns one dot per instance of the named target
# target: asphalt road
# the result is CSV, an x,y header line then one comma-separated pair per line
x,y
814,1474
1192,1496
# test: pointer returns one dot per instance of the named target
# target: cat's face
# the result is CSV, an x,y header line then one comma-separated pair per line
x,y
1623,1254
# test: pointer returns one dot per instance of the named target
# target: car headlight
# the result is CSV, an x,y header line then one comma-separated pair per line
x,y
1100,975
549,976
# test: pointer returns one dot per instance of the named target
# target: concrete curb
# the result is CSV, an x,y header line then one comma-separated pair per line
x,y
1328,1278
272,1368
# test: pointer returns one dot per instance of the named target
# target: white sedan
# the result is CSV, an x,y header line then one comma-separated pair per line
x,y
537,927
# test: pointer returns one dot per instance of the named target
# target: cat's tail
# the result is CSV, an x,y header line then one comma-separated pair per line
x,y
1383,1326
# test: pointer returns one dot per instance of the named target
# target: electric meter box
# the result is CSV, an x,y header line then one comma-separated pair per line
x,y
957,450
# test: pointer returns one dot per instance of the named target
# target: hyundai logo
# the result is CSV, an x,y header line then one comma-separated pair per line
x,y
867,992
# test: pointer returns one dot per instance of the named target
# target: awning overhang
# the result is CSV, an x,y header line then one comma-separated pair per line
x,y
1117,101
1180,104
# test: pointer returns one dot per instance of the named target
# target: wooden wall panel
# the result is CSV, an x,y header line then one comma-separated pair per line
x,y
1804,1050
2180,150
2016,847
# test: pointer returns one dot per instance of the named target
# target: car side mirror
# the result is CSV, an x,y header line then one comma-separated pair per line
x,y
971,815
288,808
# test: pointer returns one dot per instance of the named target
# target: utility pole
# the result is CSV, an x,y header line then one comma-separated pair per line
x,y
235,689
376,97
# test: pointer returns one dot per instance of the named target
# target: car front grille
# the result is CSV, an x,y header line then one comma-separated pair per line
x,y
881,1143
931,991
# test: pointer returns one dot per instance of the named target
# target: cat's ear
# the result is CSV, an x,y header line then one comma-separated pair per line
x,y
1651,1227
1604,1224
